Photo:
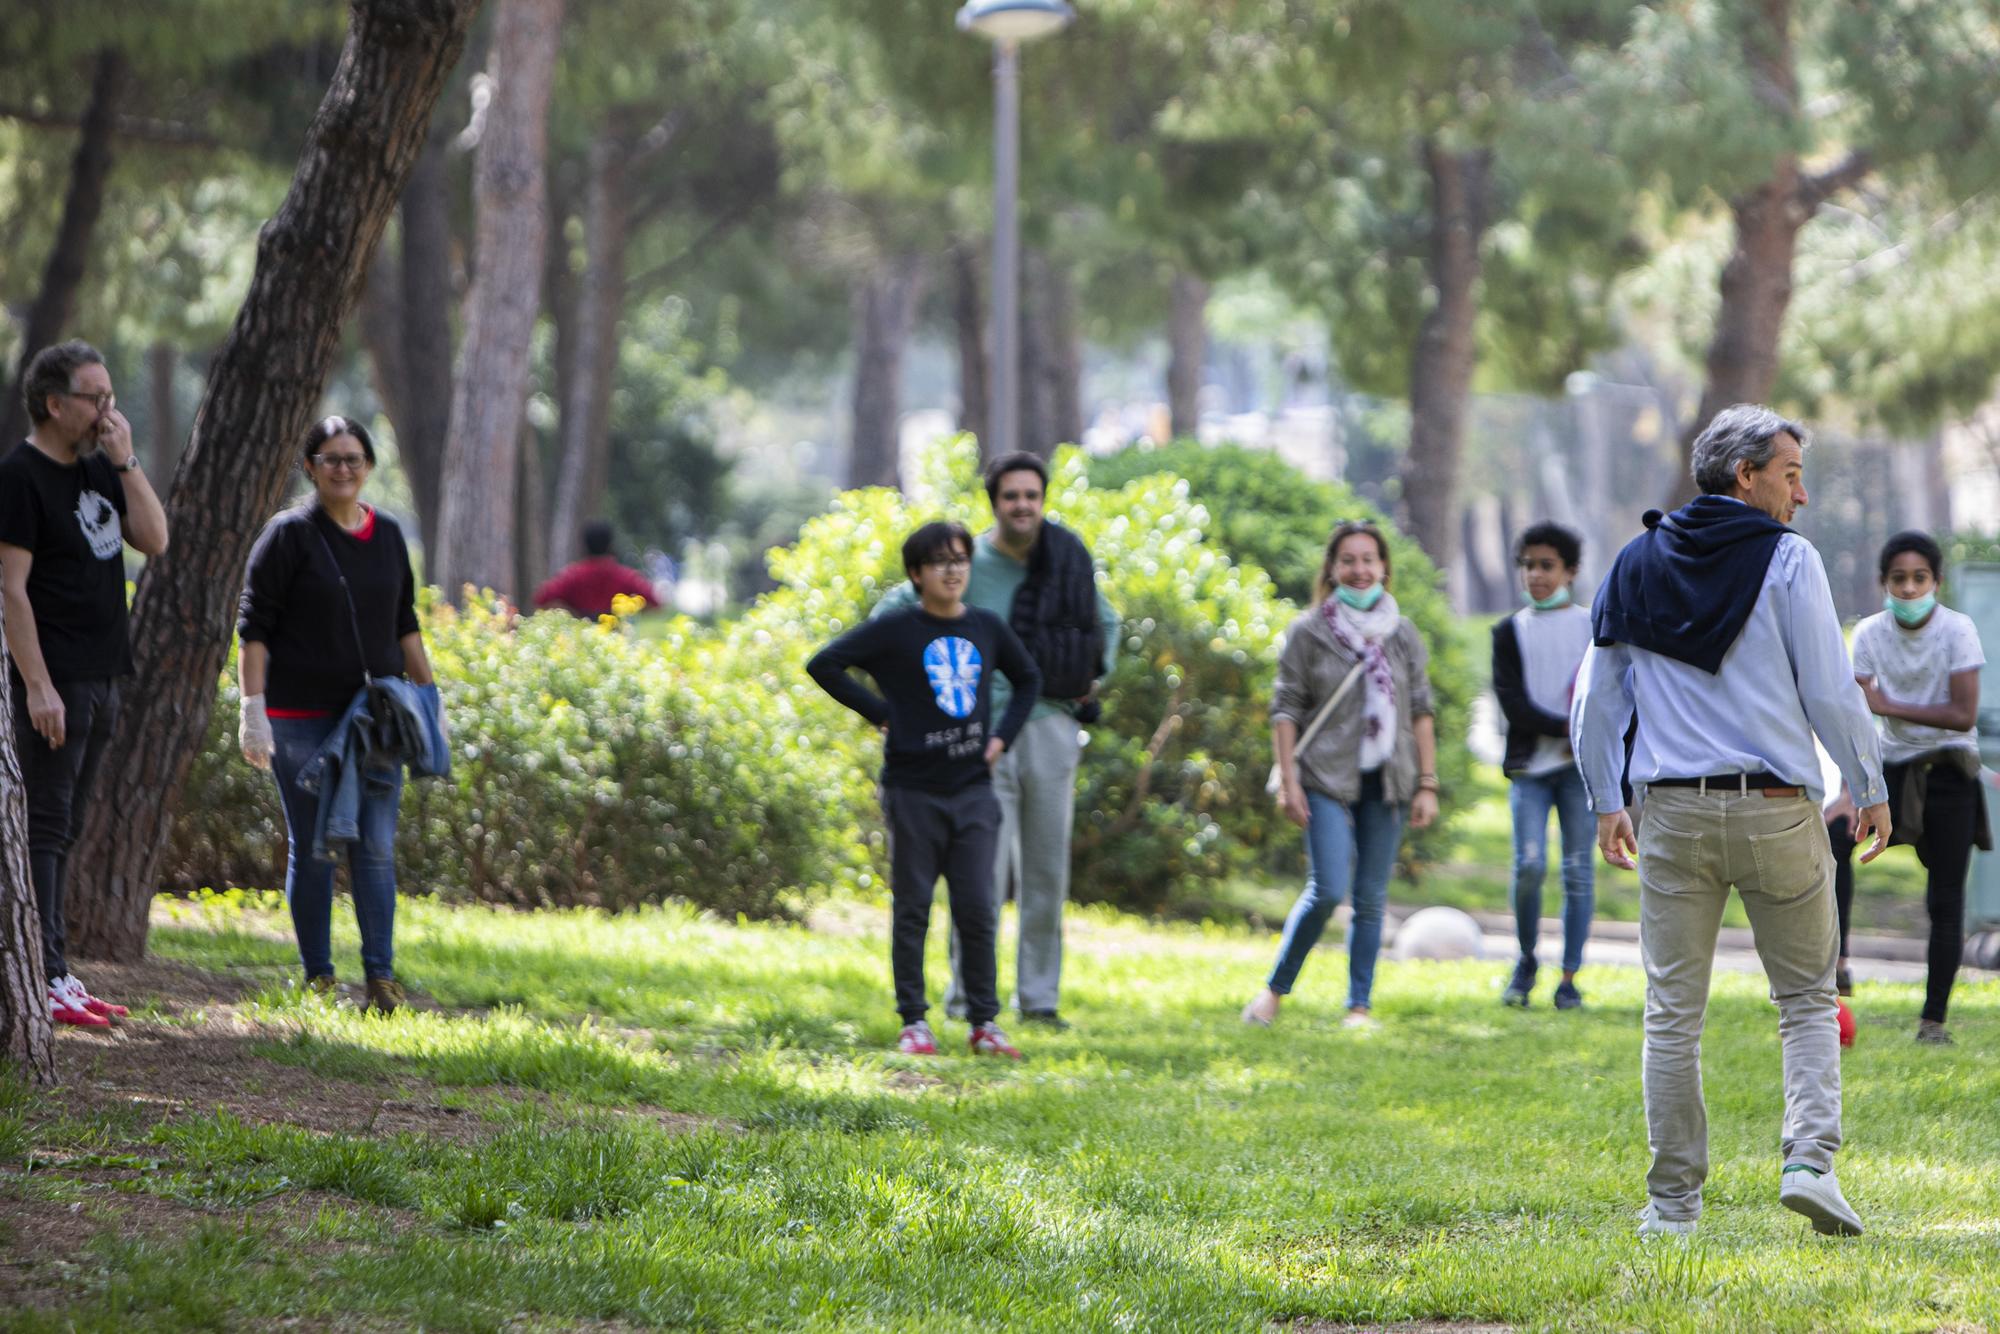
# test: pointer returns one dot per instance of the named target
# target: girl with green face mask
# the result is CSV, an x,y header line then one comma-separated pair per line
x,y
1356,751
1918,664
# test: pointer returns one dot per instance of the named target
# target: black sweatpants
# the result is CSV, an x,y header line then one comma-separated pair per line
x,y
58,785
1951,821
954,834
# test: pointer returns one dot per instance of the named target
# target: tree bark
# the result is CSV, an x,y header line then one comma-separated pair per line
x,y
55,300
586,395
1051,358
27,1033
1441,369
426,329
476,535
885,309
969,320
531,519
161,363
263,390
1187,354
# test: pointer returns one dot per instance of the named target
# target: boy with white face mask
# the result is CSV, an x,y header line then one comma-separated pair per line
x,y
1918,663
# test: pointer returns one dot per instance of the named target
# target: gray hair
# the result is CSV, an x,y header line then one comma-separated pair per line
x,y
1742,434
53,371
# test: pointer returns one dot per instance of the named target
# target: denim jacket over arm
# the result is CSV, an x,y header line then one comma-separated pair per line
x,y
348,758
1311,666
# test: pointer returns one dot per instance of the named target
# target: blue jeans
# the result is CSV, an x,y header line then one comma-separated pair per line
x,y
1531,798
371,859
1348,846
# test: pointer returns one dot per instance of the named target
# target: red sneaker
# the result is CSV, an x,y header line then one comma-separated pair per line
x,y
916,1040
64,1012
1848,1028
988,1040
83,999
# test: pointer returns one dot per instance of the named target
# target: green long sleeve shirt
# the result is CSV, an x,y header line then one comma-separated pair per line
x,y
994,580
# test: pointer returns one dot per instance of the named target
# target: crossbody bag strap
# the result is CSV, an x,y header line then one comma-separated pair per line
x,y
1325,712
353,617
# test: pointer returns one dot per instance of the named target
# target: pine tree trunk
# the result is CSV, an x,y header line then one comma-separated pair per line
x,y
27,1034
1441,369
476,538
885,309
969,321
161,363
55,301
531,519
263,390
426,330
1742,363
1187,354
1051,357
586,395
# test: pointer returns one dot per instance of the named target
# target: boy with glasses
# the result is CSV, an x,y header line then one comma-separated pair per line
x,y
932,665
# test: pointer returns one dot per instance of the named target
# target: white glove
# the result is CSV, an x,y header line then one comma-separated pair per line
x,y
253,732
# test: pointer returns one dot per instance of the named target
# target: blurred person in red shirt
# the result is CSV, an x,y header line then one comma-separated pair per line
x,y
586,587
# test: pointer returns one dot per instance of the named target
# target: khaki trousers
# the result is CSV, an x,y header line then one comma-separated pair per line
x,y
1035,781
1693,847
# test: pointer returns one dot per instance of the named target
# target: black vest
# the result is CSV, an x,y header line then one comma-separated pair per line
x,y
1055,614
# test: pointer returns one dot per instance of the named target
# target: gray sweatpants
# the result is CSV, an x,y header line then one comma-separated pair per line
x,y
1036,783
1692,847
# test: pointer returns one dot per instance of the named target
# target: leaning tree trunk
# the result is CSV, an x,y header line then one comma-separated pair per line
x,y
63,275
885,308
1441,369
263,390
27,1033
481,465
968,317
586,396
1187,353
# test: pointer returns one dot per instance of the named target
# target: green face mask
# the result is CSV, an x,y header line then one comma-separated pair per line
x,y
1910,612
1361,599
1553,602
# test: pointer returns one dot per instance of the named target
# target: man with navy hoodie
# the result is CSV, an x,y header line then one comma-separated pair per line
x,y
1717,627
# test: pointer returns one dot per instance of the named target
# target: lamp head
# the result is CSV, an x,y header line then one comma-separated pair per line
x,y
1013,22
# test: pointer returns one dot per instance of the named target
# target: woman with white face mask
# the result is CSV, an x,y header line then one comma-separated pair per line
x,y
1918,663
1369,764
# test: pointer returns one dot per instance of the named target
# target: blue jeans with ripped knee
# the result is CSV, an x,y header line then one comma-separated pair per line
x,y
1531,798
371,859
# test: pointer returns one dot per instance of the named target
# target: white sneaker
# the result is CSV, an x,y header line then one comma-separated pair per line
x,y
1361,1021
1262,1009
1819,1199
1652,1225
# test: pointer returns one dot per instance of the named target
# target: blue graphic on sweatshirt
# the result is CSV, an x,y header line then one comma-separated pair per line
x,y
953,666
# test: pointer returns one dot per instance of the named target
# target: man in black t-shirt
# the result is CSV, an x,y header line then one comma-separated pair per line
x,y
71,497
933,665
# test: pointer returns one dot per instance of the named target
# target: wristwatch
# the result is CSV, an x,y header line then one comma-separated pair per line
x,y
131,464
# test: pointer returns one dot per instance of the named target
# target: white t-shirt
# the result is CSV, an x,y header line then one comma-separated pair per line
x,y
1916,667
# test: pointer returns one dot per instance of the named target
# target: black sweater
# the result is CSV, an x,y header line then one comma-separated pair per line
x,y
936,683
293,605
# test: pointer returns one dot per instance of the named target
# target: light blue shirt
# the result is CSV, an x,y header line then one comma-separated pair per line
x,y
1786,677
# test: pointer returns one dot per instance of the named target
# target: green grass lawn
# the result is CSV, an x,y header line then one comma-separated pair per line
x,y
692,1123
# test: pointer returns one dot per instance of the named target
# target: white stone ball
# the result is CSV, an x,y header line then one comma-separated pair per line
x,y
1439,933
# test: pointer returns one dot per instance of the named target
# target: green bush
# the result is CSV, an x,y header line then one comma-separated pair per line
x,y
1265,512
589,767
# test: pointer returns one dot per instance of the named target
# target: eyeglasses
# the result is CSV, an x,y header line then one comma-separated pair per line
x,y
340,462
955,565
103,402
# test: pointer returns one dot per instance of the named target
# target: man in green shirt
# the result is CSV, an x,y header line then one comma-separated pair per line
x,y
1038,576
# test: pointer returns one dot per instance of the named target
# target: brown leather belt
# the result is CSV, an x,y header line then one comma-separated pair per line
x,y
1736,785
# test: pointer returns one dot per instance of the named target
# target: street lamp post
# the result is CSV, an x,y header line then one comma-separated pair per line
x,y
1008,24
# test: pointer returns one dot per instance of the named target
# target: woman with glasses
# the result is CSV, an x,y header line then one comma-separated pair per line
x,y
330,600
1351,722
